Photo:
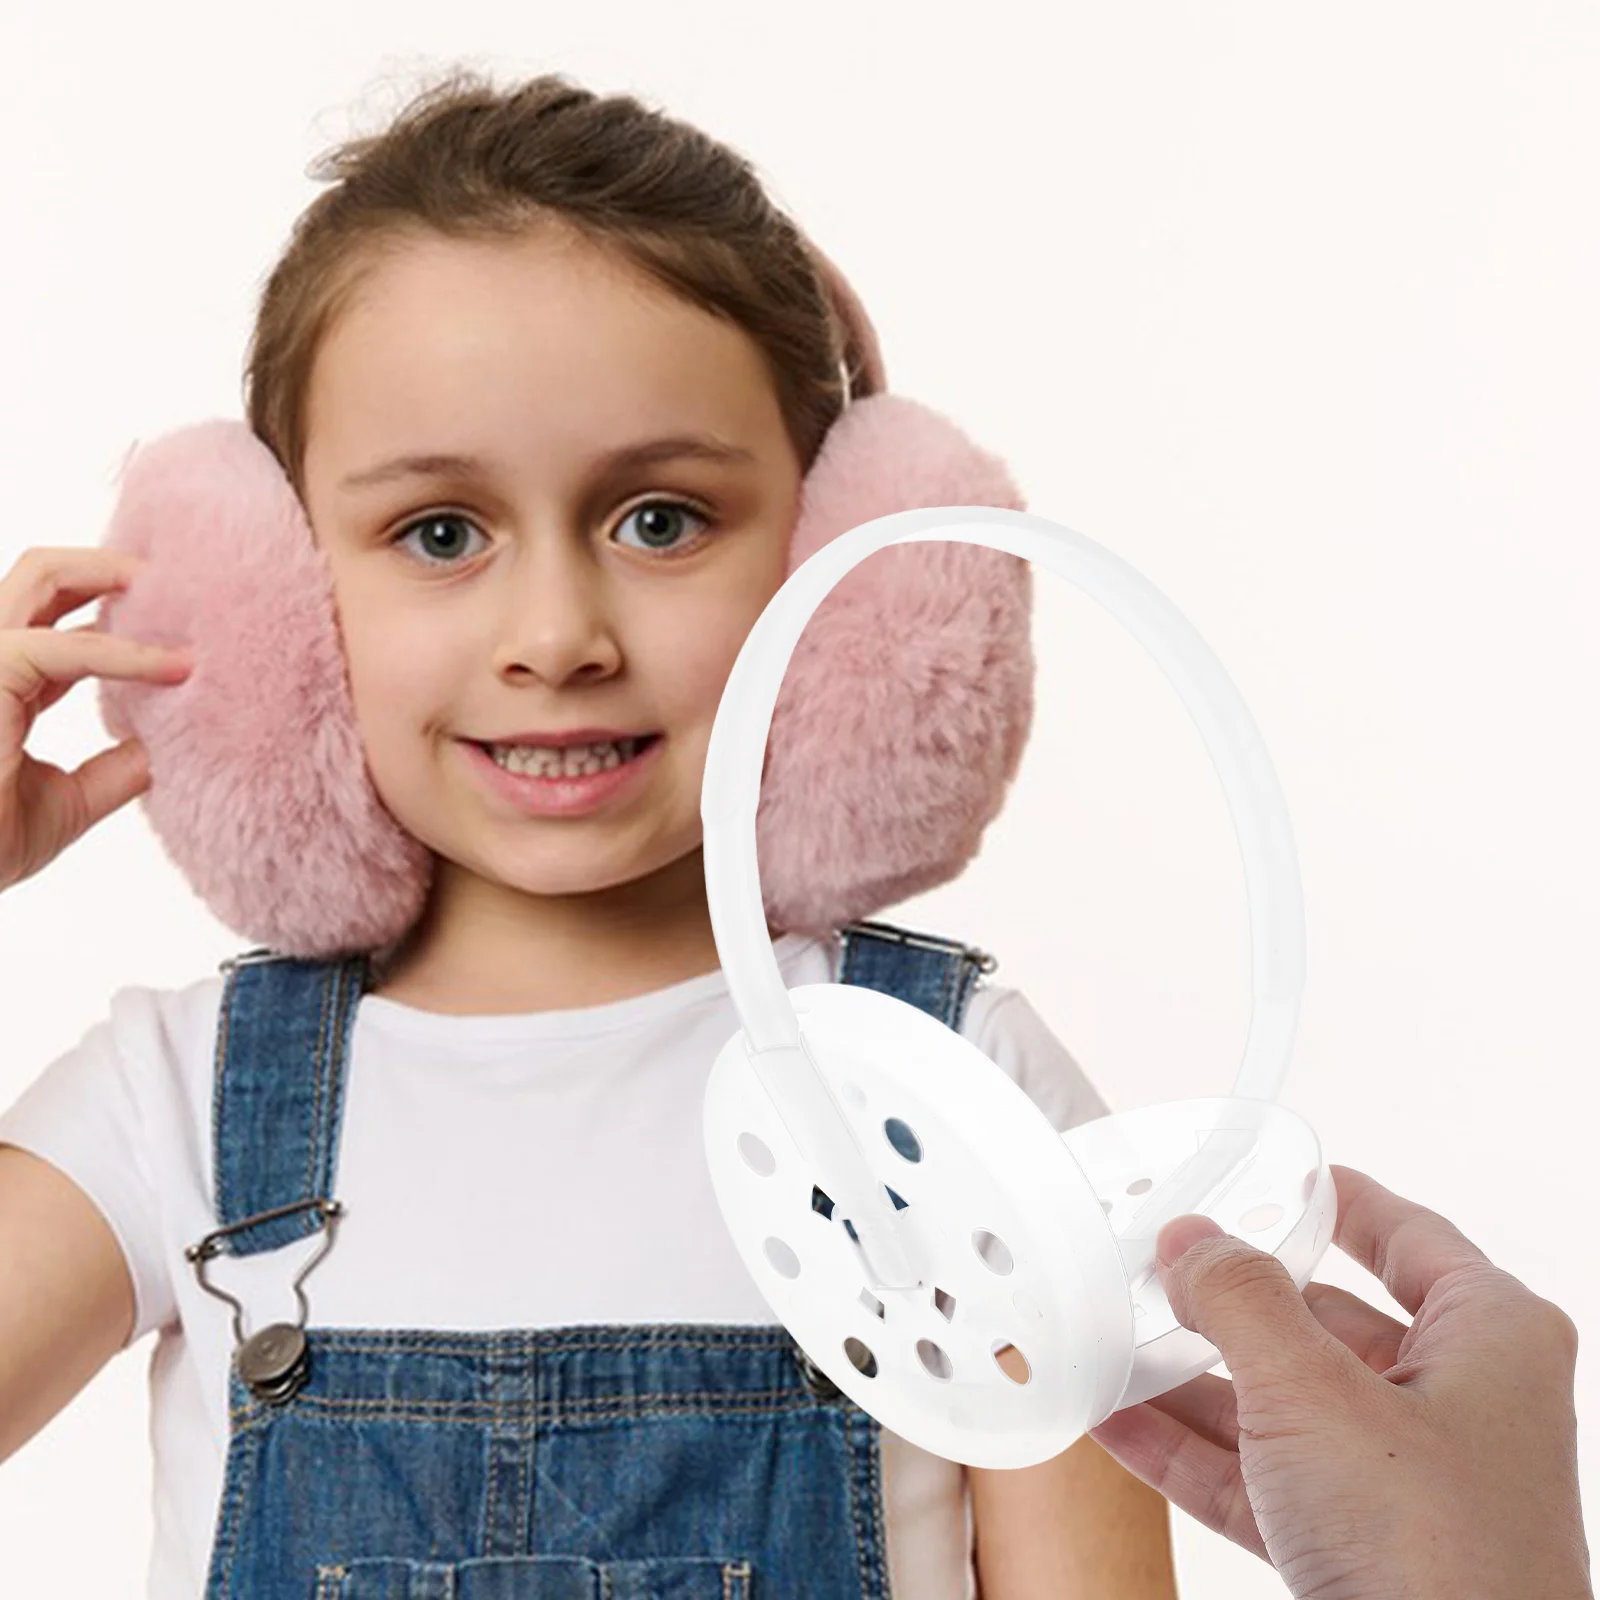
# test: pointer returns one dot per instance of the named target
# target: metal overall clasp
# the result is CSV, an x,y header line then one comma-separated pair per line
x,y
981,959
275,1360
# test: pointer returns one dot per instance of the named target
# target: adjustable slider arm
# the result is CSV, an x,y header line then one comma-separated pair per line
x,y
829,1146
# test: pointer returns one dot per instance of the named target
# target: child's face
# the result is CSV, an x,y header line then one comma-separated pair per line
x,y
542,590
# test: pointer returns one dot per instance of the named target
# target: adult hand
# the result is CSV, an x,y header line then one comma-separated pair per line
x,y
1359,1456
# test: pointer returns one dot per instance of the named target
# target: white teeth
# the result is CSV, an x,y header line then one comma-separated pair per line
x,y
566,761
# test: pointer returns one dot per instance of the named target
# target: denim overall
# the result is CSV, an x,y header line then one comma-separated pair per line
x,y
654,1462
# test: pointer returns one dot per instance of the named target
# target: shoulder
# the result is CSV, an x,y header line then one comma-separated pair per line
x,y
165,1033
134,1084
146,1036
1003,1024
120,1113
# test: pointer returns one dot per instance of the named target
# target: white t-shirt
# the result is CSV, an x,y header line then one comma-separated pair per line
x,y
468,1144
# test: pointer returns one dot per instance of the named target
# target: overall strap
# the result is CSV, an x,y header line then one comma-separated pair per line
x,y
935,975
283,1037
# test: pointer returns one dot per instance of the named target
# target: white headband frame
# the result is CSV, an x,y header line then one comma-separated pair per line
x,y
731,793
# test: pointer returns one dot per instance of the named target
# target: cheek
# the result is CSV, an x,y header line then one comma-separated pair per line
x,y
695,657
698,642
399,670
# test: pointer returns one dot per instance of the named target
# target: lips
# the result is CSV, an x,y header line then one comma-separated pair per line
x,y
549,756
536,740
540,784
568,760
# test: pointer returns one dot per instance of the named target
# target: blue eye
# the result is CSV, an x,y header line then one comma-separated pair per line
x,y
661,522
441,519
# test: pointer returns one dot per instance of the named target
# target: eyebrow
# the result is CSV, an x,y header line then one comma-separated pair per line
x,y
649,453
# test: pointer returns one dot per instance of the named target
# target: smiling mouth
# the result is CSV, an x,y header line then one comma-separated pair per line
x,y
568,761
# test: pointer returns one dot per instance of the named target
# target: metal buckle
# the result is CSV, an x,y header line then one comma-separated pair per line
x,y
822,1387
985,962
248,958
273,1361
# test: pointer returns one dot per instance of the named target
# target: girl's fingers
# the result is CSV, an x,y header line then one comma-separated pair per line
x,y
1195,1475
35,660
49,697
108,781
1360,1328
46,582
57,808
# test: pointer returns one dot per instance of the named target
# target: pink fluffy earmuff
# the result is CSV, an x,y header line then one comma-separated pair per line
x,y
900,725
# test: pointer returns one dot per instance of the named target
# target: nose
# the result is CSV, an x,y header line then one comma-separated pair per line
x,y
555,623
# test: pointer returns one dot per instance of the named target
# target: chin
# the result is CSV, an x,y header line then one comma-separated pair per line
x,y
574,872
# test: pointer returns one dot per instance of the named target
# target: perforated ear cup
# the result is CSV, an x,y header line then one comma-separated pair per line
x,y
1020,1336
1278,1195
1025,1329
915,691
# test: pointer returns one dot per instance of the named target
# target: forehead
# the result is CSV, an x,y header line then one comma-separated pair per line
x,y
569,338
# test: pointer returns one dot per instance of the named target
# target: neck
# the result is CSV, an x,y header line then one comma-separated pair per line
x,y
482,948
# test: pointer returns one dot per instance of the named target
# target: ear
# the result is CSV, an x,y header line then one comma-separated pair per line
x,y
907,703
259,789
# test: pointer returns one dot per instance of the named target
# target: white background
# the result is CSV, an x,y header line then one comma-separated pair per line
x,y
1292,307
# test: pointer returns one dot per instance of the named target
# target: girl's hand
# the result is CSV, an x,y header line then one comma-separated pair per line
x,y
42,808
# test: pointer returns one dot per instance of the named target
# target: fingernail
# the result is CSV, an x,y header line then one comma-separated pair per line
x,y
1181,1234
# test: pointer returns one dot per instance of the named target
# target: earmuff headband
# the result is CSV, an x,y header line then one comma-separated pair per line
x,y
732,788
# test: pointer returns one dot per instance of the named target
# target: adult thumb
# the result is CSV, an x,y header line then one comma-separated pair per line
x,y
1245,1303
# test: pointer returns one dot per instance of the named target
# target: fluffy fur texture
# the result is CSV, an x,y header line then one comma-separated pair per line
x,y
258,785
908,699
900,724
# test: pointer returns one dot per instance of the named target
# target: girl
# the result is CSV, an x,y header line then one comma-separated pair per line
x,y
553,492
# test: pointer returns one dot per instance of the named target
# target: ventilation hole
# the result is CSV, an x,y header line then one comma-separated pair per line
x,y
893,1198
1105,1205
1011,1361
820,1202
850,1228
992,1252
757,1157
944,1304
1308,1187
861,1358
902,1140
1140,1186
1027,1306
783,1259
872,1302
1259,1217
935,1362
853,1095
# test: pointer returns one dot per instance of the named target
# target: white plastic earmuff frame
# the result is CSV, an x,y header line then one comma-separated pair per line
x,y
980,1283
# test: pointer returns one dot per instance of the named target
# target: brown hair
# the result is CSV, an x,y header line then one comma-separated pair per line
x,y
466,159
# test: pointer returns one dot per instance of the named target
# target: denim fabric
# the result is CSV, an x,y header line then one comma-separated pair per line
x,y
935,975
659,1462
